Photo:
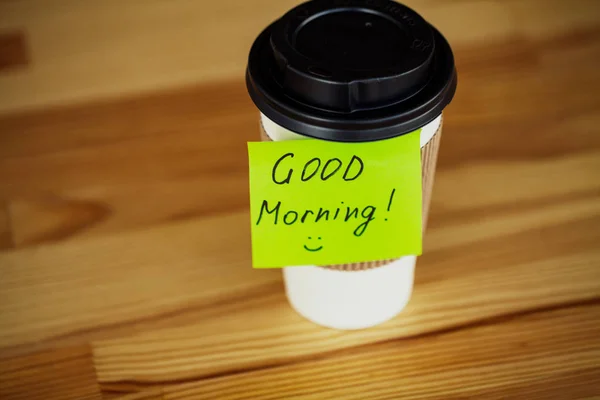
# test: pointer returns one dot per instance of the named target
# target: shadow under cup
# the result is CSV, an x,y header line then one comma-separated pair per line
x,y
353,71
357,295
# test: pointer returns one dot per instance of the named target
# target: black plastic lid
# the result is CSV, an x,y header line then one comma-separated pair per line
x,y
351,70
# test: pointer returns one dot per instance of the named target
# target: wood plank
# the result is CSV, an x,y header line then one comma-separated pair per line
x,y
39,219
164,157
528,93
173,252
571,175
168,112
129,39
537,355
97,183
60,374
454,287
198,109
154,159
128,42
64,292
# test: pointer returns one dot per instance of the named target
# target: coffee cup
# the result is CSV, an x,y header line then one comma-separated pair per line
x,y
353,71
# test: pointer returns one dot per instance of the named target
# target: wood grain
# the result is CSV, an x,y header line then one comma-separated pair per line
x,y
138,45
51,374
13,50
252,340
124,243
6,240
129,40
112,188
525,350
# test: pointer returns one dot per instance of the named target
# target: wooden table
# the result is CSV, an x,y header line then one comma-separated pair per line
x,y
125,263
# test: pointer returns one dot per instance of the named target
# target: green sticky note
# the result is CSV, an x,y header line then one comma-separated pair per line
x,y
315,202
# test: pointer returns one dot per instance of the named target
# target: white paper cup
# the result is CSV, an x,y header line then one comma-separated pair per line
x,y
352,71
360,297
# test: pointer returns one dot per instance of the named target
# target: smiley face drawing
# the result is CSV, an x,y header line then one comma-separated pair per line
x,y
313,248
